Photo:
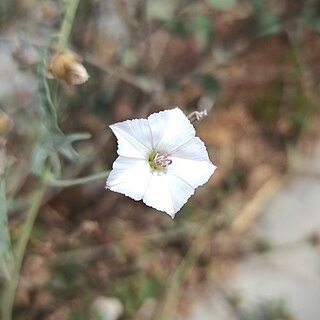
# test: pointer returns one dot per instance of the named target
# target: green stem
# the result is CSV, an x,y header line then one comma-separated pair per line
x,y
11,287
6,258
73,182
65,32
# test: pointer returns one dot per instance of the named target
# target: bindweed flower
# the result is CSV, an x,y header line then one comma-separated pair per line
x,y
67,66
160,162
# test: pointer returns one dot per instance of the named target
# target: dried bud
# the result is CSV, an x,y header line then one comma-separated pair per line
x,y
67,66
5,124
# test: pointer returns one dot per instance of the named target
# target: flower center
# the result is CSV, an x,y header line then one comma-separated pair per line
x,y
158,161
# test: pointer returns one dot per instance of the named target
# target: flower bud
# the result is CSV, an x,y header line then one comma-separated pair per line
x,y
5,124
67,66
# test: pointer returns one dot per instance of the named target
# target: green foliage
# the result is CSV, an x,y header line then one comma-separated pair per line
x,y
222,4
202,27
129,59
177,27
161,9
82,312
68,279
268,311
266,22
208,83
311,16
267,107
263,245
135,290
7,7
302,108
3,10
51,141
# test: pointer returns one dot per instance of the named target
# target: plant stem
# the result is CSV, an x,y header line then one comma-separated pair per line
x,y
179,276
65,32
6,258
73,182
10,289
11,286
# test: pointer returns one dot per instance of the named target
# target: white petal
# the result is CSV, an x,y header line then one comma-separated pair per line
x,y
167,193
195,173
170,129
129,176
192,150
134,138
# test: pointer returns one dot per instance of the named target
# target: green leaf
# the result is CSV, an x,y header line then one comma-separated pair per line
x,y
209,85
161,9
202,27
222,4
177,27
52,142
267,22
311,18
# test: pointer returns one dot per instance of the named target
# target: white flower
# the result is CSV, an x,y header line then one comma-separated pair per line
x,y
160,162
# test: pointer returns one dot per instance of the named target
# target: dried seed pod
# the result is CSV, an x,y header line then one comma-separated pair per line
x,y
67,66
5,124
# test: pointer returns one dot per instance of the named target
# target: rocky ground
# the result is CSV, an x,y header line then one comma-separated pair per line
x,y
285,278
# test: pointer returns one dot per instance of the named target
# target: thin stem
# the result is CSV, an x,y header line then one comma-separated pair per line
x,y
65,32
73,182
177,279
6,258
11,287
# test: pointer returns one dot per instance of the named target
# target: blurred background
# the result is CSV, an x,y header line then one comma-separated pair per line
x,y
246,245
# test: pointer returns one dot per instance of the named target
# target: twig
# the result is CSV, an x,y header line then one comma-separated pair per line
x,y
123,75
10,289
180,274
240,224
249,212
67,23
73,182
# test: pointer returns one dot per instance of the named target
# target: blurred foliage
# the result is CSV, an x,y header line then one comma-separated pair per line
x,y
268,311
222,4
161,9
267,107
267,23
177,27
209,84
135,290
263,245
311,13
52,141
203,30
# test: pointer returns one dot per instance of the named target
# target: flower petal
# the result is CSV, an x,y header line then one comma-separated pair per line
x,y
129,176
168,193
134,138
195,173
192,150
170,129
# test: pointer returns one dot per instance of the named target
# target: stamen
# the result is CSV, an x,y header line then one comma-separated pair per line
x,y
158,161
